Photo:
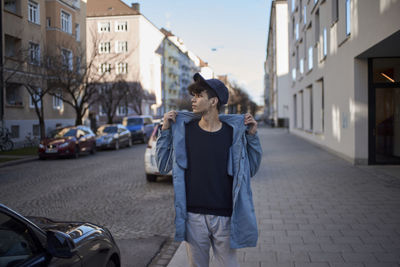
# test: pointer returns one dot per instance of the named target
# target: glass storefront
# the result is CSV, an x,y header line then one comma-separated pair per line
x,y
386,111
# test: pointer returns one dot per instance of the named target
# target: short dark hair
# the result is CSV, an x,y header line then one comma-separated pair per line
x,y
200,86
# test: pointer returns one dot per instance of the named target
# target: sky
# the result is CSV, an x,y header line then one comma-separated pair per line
x,y
237,30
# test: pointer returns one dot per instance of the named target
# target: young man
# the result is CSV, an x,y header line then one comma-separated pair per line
x,y
213,157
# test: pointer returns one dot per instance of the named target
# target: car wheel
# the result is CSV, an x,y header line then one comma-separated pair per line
x,y
76,152
111,263
151,177
116,146
93,150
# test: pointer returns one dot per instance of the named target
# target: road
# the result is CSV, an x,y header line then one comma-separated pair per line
x,y
108,188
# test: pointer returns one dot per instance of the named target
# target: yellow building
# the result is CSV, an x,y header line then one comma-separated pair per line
x,y
33,30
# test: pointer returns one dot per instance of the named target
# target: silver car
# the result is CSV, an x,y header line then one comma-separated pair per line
x,y
113,136
150,164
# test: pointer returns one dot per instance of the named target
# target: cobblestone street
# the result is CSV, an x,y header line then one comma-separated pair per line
x,y
108,188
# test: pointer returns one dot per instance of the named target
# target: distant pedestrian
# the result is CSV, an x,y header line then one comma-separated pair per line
x,y
213,157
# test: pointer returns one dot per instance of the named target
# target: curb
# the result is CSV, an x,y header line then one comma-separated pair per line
x,y
18,161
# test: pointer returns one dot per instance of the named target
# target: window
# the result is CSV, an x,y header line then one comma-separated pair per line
x,y
12,46
310,58
310,93
122,110
325,43
102,110
294,74
33,12
297,31
103,26
315,1
13,94
35,97
10,5
121,47
67,58
35,130
348,17
293,5
14,131
78,64
105,67
57,100
121,26
77,32
316,28
305,14
104,47
48,22
122,68
301,66
335,11
66,22
34,53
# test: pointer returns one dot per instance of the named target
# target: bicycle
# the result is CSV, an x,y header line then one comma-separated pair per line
x,y
6,144
31,141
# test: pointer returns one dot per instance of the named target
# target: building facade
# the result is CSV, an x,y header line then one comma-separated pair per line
x,y
33,32
345,66
277,64
127,47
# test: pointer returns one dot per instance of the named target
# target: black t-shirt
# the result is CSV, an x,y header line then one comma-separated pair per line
x,y
208,185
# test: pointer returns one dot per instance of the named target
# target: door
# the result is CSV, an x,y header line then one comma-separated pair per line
x,y
387,125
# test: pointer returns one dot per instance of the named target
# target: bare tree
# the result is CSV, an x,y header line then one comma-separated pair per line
x,y
110,96
136,95
26,69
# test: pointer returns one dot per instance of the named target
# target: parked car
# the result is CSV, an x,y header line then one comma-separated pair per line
x,y
38,241
150,164
68,141
140,126
113,136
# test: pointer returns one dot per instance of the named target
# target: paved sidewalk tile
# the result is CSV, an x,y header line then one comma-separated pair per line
x,y
315,209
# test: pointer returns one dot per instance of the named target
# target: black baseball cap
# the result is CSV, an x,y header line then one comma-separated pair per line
x,y
217,86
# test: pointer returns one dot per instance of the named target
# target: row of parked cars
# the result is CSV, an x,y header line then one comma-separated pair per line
x,y
75,140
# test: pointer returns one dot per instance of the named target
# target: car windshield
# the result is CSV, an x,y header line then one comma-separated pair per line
x,y
64,133
135,121
108,129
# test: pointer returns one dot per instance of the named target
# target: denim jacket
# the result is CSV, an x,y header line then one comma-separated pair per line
x,y
244,160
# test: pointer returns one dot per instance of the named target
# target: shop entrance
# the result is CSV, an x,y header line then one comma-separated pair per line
x,y
384,111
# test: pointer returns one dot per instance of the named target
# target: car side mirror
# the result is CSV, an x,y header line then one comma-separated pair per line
x,y
60,244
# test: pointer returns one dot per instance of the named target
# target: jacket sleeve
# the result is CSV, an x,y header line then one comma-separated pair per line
x,y
164,151
254,152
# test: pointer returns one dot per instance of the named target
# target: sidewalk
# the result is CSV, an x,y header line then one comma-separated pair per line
x,y
15,160
317,210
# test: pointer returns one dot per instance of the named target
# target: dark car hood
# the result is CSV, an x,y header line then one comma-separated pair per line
x,y
78,231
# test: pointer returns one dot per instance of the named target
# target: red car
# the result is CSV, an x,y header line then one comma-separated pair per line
x,y
68,142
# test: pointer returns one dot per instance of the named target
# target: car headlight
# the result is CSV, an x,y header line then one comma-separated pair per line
x,y
41,146
63,145
115,136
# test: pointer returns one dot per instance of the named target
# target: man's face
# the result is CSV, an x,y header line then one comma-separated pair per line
x,y
201,103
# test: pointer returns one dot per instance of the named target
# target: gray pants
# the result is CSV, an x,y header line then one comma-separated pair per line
x,y
203,231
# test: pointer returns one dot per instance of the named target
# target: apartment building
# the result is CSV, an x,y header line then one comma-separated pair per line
x,y
125,45
33,30
345,77
277,65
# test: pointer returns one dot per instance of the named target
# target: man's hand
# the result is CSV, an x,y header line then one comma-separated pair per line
x,y
171,115
249,120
